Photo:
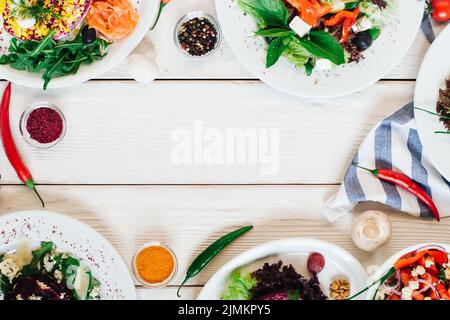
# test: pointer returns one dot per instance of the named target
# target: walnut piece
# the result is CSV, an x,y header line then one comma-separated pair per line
x,y
340,289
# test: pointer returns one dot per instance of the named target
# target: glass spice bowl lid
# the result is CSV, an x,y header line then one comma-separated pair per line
x,y
180,26
46,123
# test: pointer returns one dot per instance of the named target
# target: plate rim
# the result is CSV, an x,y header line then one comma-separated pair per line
x,y
132,294
421,128
260,251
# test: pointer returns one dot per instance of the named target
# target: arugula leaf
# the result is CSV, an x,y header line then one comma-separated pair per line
x,y
268,13
323,45
274,33
53,59
275,50
38,255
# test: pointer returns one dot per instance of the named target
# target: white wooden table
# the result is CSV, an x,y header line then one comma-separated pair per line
x,y
114,169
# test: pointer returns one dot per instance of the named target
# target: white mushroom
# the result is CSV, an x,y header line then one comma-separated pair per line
x,y
371,230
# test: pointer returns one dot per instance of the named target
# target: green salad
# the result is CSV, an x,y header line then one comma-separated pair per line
x,y
318,34
46,273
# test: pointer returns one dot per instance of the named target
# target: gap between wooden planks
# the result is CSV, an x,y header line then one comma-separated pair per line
x,y
188,218
120,132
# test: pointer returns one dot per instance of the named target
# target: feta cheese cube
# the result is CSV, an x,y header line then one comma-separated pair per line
x,y
362,24
323,64
299,26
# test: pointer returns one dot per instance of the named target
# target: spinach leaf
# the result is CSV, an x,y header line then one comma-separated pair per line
x,y
274,33
268,13
275,50
323,45
309,67
374,33
352,5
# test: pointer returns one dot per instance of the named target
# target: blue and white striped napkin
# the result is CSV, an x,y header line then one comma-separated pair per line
x,y
393,144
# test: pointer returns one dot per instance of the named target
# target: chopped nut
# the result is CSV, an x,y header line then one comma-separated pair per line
x,y
340,289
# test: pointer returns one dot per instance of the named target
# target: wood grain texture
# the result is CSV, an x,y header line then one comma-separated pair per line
x,y
120,132
188,218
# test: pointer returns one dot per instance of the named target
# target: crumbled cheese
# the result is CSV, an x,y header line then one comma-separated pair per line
x,y
95,293
33,297
362,24
49,262
9,268
429,263
414,273
58,275
407,293
420,270
19,297
299,26
414,285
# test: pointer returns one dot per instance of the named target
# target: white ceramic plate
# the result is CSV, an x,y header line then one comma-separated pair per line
x,y
75,237
117,52
295,251
385,53
390,263
433,72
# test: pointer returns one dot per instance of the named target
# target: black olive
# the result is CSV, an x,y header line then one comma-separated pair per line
x,y
363,40
88,35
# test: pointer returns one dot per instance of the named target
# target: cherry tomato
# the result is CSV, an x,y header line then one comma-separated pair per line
x,y
441,10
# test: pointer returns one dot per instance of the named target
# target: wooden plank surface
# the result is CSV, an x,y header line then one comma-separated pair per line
x,y
121,132
188,218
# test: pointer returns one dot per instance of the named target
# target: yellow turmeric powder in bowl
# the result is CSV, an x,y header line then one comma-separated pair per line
x,y
154,265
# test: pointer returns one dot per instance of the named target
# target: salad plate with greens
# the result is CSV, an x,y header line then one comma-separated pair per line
x,y
48,256
57,43
320,48
289,269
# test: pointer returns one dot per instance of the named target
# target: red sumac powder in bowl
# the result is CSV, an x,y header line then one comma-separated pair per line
x,y
42,125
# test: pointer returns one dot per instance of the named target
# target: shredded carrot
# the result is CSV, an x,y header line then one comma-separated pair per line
x,y
113,19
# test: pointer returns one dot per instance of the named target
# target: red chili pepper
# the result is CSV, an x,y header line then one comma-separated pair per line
x,y
406,183
10,148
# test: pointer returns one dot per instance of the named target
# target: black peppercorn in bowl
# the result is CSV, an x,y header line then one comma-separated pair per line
x,y
197,34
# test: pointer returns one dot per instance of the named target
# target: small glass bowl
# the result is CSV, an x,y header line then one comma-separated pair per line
x,y
24,120
192,15
166,281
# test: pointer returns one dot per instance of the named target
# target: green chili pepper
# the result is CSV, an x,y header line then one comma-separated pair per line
x,y
213,250
380,281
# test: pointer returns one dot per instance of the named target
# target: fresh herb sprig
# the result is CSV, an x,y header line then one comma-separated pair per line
x,y
51,58
37,11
